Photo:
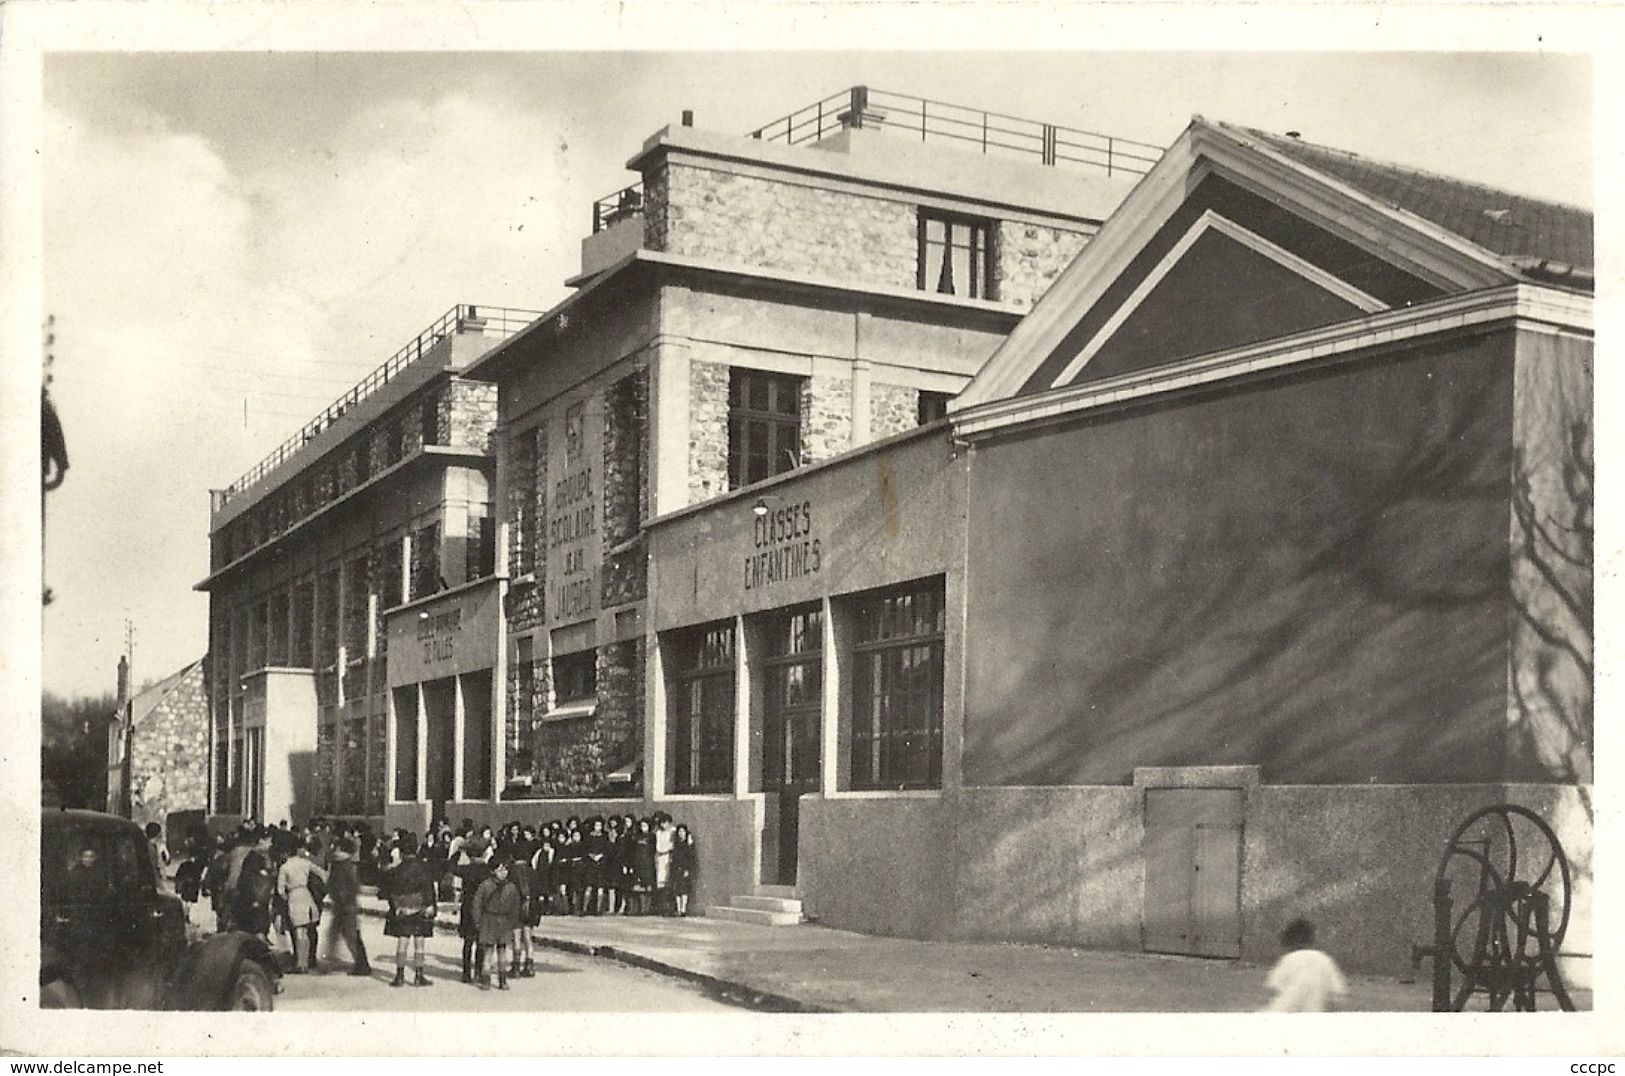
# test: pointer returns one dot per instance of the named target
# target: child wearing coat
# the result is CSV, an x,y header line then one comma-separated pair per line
x,y
498,912
471,873
684,862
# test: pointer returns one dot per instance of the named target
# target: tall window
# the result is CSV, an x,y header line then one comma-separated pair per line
x,y
429,419
955,256
703,709
897,688
793,669
764,425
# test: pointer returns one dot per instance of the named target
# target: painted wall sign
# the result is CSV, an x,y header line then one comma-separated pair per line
x,y
572,522
454,632
784,547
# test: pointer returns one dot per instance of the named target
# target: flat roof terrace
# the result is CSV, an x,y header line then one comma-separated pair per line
x,y
918,119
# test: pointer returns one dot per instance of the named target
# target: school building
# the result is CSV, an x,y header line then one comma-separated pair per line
x,y
1085,545
382,499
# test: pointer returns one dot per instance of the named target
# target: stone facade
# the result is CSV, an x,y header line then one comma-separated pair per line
x,y
826,418
470,417
775,224
1028,258
574,757
707,430
892,409
169,751
519,723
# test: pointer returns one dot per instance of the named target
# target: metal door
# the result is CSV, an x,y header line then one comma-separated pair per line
x,y
1193,871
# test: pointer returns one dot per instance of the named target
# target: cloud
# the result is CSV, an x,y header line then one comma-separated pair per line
x,y
186,283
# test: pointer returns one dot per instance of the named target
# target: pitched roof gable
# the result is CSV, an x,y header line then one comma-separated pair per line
x,y
145,702
1385,216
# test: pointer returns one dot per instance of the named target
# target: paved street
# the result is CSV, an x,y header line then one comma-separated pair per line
x,y
564,982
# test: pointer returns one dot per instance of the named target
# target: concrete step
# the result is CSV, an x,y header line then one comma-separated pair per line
x,y
783,892
767,904
753,915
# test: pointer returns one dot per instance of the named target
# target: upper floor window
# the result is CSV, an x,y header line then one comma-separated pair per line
x,y
955,255
931,406
764,425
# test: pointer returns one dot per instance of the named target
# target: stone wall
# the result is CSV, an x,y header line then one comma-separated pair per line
x,y
626,456
171,744
892,409
1028,258
521,732
327,782
377,776
708,430
353,765
574,757
773,224
470,418
826,418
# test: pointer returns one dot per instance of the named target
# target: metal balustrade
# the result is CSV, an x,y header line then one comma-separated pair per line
x,y
993,133
489,320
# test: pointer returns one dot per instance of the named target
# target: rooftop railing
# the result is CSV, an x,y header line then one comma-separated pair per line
x,y
488,320
993,133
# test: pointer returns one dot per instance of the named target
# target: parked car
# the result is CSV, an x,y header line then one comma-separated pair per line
x,y
113,937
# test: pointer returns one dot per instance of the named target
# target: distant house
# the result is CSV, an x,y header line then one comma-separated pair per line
x,y
158,748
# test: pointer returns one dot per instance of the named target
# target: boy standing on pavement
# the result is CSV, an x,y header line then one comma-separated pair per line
x,y
344,892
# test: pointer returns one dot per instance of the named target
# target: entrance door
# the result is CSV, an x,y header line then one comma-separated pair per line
x,y
793,707
1193,871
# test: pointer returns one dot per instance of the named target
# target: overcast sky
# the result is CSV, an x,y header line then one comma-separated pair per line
x,y
231,240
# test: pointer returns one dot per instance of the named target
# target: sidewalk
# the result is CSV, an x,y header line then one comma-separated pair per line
x,y
811,968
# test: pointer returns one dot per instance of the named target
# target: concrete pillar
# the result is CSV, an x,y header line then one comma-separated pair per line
x,y
829,725
741,710
669,420
390,732
459,728
421,730
656,716
860,402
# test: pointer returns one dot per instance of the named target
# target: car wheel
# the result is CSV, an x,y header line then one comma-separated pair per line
x,y
251,991
59,994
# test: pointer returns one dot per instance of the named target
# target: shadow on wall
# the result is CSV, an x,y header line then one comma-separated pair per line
x,y
1331,610
303,784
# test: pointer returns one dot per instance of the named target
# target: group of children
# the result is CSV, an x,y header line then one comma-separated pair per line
x,y
506,881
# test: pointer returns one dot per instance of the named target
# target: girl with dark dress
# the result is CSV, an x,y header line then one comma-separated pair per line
x,y
542,860
643,865
472,874
595,861
409,888
574,872
524,875
629,837
612,867
684,860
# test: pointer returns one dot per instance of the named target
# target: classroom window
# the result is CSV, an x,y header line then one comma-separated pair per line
x,y
575,677
897,688
702,704
764,425
955,255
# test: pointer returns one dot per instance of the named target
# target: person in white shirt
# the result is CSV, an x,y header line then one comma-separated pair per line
x,y
1304,979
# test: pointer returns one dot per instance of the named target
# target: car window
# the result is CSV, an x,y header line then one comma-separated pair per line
x,y
133,864
60,849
